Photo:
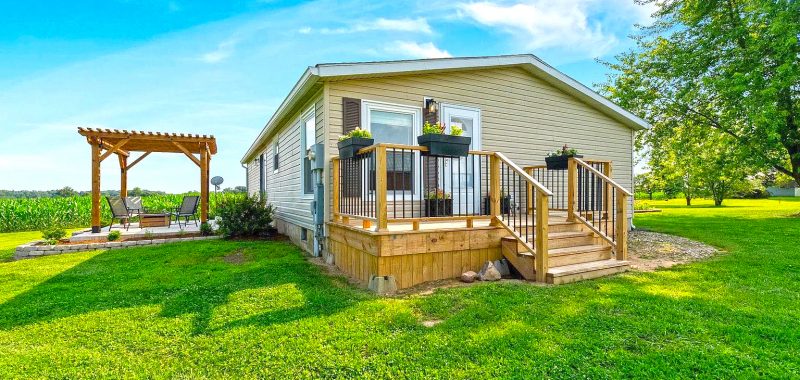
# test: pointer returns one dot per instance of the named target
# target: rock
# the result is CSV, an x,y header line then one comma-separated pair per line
x,y
502,267
469,277
383,284
490,273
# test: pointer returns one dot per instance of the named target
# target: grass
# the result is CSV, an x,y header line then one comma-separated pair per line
x,y
183,310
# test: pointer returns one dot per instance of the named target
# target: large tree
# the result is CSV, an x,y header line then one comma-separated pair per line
x,y
728,67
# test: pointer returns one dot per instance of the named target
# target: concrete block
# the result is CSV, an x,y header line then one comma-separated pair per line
x,y
383,284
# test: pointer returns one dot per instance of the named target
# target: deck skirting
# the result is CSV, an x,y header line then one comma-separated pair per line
x,y
412,257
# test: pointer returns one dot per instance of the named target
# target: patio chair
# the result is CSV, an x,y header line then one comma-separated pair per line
x,y
134,205
119,211
187,210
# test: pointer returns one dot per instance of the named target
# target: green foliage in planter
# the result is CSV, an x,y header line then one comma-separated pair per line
x,y
114,236
437,194
440,128
357,133
245,217
563,151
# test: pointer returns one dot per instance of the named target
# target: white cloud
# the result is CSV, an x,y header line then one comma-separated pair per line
x,y
417,50
222,52
543,24
419,25
305,30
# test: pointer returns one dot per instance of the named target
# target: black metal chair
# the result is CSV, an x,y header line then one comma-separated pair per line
x,y
134,205
119,211
187,210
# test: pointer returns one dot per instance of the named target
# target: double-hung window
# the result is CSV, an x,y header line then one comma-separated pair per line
x,y
307,139
397,124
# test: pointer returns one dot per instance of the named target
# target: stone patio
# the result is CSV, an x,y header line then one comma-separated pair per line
x,y
135,232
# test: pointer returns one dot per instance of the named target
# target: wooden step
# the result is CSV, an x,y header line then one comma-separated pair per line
x,y
521,259
557,240
578,254
585,271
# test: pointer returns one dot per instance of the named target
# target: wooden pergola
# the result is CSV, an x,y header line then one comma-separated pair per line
x,y
105,142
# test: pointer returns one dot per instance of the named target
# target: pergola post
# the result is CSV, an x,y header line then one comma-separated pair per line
x,y
204,164
123,176
95,186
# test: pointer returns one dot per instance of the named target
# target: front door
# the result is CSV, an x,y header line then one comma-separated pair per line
x,y
466,195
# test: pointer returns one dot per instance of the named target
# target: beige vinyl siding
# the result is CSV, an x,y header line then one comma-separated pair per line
x,y
521,115
284,186
252,177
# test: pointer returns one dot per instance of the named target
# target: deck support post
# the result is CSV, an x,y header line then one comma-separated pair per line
x,y
335,200
95,186
622,226
494,190
380,188
572,188
541,236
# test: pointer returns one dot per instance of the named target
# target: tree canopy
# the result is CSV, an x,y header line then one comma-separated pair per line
x,y
720,82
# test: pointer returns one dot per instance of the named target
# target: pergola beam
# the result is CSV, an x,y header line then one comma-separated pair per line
x,y
115,149
136,161
190,155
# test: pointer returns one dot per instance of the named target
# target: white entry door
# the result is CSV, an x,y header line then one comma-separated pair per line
x,y
464,184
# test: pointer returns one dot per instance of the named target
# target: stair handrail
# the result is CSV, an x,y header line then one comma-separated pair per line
x,y
541,214
620,232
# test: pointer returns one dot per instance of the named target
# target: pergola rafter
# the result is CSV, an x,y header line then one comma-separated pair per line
x,y
105,142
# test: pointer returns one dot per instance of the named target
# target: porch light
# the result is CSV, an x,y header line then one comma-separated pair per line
x,y
431,105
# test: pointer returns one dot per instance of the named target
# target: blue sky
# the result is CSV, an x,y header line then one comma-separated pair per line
x,y
222,67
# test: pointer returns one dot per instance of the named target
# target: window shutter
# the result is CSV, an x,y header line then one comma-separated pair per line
x,y
351,114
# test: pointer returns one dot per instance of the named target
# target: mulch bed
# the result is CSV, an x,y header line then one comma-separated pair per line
x,y
649,250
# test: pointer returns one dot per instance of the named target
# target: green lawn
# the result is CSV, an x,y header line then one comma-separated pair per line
x,y
182,310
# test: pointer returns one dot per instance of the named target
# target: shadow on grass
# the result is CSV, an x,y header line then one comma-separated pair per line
x,y
186,279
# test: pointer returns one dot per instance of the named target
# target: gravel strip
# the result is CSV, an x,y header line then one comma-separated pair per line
x,y
649,251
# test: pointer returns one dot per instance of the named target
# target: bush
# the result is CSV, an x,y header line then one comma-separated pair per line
x,y
52,235
114,235
245,217
205,229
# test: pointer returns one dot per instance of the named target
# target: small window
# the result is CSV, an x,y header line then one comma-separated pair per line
x,y
262,175
275,156
308,136
303,234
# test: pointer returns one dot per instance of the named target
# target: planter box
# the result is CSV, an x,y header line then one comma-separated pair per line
x,y
559,162
348,148
438,207
445,145
505,205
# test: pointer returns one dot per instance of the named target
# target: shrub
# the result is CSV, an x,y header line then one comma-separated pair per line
x,y
205,229
245,217
52,235
114,236
357,133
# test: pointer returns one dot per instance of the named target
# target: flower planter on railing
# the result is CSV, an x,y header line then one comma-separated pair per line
x,y
348,148
559,162
438,207
445,145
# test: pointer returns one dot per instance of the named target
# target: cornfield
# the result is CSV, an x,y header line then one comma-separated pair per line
x,y
32,214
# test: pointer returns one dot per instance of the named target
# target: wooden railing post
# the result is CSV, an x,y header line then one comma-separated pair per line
x,y
622,226
529,192
380,188
572,188
541,235
494,189
335,200
607,206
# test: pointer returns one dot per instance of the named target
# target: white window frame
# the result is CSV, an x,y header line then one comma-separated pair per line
x,y
369,105
310,114
276,164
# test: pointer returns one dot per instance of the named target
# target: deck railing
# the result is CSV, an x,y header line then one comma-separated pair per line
x,y
557,181
390,183
600,203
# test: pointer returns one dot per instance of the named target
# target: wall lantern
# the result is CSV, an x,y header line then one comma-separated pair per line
x,y
431,105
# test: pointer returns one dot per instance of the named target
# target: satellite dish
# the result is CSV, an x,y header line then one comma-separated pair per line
x,y
216,181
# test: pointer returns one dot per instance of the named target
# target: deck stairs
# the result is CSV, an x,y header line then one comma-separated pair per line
x,y
575,253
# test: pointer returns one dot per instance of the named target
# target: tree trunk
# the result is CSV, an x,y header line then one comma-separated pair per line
x,y
688,201
651,195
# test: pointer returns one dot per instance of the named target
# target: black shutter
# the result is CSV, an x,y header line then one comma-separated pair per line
x,y
431,180
351,114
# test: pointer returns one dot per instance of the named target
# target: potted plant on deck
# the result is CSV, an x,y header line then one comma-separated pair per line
x,y
441,144
559,160
438,203
505,204
354,141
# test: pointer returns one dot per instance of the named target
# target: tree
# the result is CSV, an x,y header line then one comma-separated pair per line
x,y
729,67
648,183
66,191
